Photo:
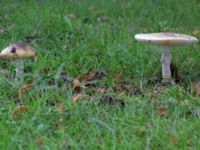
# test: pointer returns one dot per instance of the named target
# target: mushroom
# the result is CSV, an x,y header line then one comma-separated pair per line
x,y
18,52
166,39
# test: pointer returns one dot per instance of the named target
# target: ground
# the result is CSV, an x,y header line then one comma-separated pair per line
x,y
123,103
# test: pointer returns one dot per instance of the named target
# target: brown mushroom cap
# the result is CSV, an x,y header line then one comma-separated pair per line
x,y
15,51
166,38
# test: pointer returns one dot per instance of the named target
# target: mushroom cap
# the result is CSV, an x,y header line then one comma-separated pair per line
x,y
15,51
166,38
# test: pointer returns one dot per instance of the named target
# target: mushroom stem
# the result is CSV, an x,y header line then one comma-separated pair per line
x,y
19,70
166,60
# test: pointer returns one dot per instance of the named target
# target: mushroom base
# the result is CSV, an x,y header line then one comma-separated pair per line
x,y
167,81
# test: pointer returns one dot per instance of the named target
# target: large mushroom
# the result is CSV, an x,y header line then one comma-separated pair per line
x,y
166,39
18,52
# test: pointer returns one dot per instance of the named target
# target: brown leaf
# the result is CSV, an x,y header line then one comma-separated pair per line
x,y
23,89
79,97
196,88
100,90
40,141
162,111
19,109
88,77
76,85
62,107
93,76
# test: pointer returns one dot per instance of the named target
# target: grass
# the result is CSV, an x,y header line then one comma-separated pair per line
x,y
79,37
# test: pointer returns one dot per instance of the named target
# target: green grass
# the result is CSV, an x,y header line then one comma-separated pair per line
x,y
71,36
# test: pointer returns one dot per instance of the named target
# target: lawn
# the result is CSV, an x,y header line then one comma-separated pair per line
x,y
124,105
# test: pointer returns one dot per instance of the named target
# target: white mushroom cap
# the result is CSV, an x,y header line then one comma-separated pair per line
x,y
15,51
166,38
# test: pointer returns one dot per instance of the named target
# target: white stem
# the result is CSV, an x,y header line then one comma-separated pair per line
x,y
19,70
166,60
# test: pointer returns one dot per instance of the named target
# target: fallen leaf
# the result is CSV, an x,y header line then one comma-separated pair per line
x,y
162,111
79,97
62,107
88,77
76,85
19,109
23,89
40,141
100,90
196,88
93,76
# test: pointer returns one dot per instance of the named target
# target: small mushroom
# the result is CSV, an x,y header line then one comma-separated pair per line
x,y
18,52
166,39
